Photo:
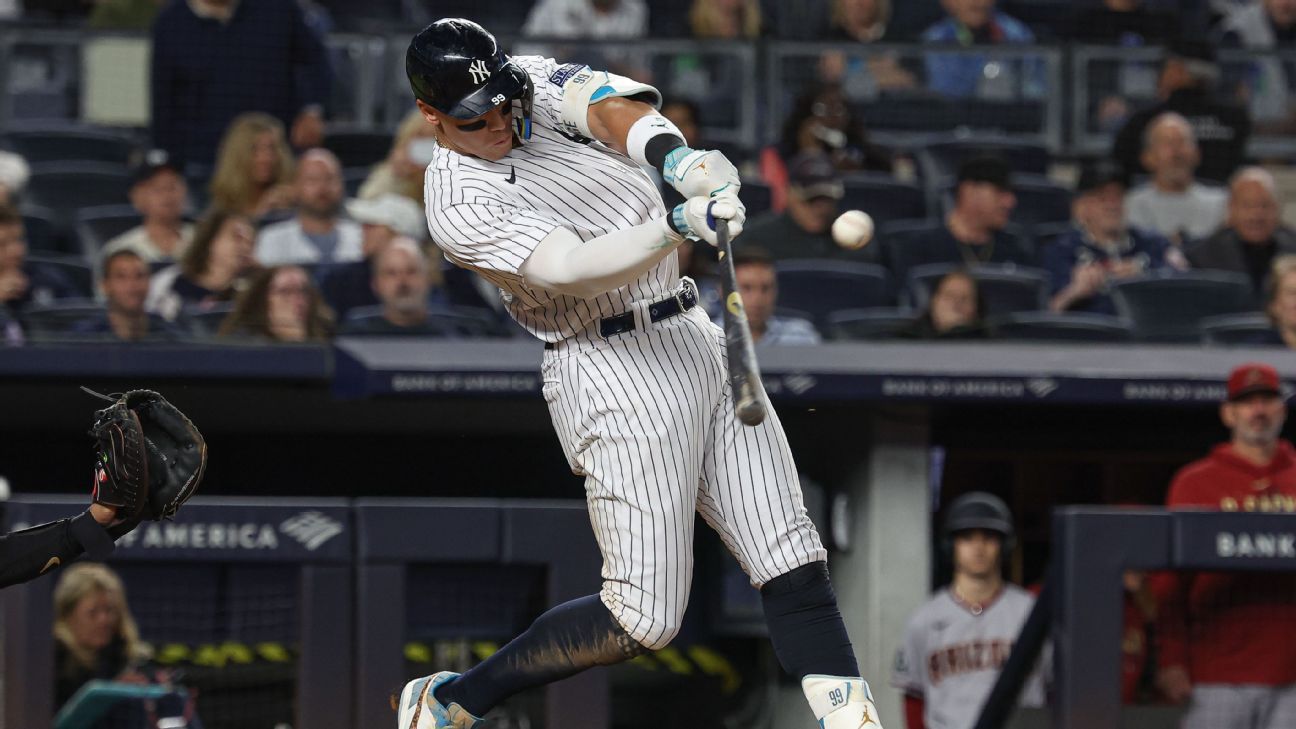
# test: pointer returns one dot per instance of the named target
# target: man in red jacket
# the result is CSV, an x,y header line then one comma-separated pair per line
x,y
1226,638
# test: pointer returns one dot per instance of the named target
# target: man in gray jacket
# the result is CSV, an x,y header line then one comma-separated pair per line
x,y
1253,233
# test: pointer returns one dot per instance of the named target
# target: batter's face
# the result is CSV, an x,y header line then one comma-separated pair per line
x,y
977,552
94,620
1256,420
489,136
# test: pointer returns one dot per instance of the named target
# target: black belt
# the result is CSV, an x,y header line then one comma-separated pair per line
x,y
658,310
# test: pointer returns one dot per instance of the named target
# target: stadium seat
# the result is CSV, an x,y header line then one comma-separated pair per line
x,y
461,321
821,287
1171,308
66,187
353,178
1069,327
882,196
57,317
850,324
98,225
358,148
71,144
43,232
939,161
756,197
1040,201
1005,289
910,113
75,270
207,322
1235,329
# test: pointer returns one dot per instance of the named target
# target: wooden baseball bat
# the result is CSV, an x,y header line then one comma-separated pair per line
x,y
744,376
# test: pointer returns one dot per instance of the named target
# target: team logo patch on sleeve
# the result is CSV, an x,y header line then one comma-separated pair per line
x,y
564,72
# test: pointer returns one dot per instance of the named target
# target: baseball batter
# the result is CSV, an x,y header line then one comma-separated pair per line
x,y
956,643
537,186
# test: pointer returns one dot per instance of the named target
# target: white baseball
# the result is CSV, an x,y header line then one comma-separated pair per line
x,y
853,229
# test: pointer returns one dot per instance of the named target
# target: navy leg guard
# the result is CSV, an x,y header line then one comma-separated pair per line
x,y
566,640
805,625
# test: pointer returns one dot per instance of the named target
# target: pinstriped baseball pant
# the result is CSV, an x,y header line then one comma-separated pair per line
x,y
647,417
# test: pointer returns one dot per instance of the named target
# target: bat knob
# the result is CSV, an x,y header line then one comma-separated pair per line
x,y
751,413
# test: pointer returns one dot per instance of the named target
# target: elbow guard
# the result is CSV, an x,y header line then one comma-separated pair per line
x,y
586,87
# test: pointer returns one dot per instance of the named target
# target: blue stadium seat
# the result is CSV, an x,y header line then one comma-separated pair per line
x,y
883,197
44,235
866,324
821,287
1236,329
75,270
39,145
66,187
939,161
1171,308
1069,327
207,322
98,225
1005,289
910,113
358,148
58,317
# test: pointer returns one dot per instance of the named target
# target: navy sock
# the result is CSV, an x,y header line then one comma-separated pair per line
x,y
805,625
564,641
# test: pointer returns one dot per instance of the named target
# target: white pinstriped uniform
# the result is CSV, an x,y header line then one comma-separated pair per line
x,y
645,416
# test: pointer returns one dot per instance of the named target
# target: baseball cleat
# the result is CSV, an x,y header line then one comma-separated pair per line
x,y
841,702
419,708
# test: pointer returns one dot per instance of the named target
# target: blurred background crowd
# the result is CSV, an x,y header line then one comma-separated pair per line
x,y
1102,171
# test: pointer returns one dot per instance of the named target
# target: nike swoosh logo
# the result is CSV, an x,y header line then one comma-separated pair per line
x,y
512,178
53,562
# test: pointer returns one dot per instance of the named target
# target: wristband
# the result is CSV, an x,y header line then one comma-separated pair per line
x,y
651,138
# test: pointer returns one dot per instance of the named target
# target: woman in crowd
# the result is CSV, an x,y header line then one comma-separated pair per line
x,y
955,310
402,171
1280,292
95,635
281,304
254,167
212,271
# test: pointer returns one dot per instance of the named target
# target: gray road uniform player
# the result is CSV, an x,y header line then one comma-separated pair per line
x,y
537,186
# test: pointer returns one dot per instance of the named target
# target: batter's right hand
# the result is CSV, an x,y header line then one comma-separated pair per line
x,y
698,217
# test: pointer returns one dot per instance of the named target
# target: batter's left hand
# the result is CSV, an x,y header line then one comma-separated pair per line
x,y
698,217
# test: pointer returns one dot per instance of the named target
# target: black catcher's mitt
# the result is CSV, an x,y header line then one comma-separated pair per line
x,y
149,457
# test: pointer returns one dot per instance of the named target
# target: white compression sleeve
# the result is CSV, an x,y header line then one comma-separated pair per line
x,y
562,263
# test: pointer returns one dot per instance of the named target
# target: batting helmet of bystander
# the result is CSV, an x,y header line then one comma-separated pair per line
x,y
458,68
977,510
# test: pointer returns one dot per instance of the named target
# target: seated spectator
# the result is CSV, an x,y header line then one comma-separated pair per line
x,y
1280,298
14,174
254,167
400,281
318,232
1253,234
802,230
1264,25
159,193
125,286
821,122
954,311
973,232
211,272
1101,248
402,172
687,115
758,287
1187,85
347,285
725,19
22,282
594,20
280,304
1125,23
1172,202
977,22
95,636
863,75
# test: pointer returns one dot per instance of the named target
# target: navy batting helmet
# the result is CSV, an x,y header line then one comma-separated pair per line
x,y
978,510
458,68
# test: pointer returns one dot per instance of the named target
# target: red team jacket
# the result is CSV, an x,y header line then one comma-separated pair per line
x,y
1231,628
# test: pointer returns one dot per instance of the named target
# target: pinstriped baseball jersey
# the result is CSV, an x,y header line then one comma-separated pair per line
x,y
952,654
646,415
489,216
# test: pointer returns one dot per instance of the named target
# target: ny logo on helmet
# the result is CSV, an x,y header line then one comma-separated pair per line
x,y
478,71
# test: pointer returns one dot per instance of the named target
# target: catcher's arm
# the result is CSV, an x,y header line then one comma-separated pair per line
x,y
30,553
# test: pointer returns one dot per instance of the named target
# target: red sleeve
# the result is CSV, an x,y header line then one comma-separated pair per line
x,y
775,174
913,708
